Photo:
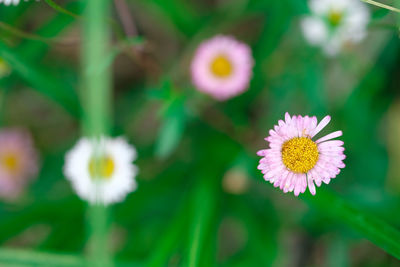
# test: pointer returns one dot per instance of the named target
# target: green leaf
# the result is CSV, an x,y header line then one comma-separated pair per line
x,y
172,128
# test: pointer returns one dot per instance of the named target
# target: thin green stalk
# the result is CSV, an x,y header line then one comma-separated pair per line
x,y
97,112
61,9
382,5
97,78
17,32
99,253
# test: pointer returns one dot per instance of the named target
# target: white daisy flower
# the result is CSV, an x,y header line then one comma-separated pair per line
x,y
9,2
101,171
334,24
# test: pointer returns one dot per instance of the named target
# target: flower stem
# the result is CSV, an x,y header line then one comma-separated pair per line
x,y
96,93
382,5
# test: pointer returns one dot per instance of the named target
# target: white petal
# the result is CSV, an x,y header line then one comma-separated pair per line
x,y
314,30
321,125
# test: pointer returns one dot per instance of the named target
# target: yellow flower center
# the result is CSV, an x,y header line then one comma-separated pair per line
x,y
102,167
300,154
221,67
10,162
335,17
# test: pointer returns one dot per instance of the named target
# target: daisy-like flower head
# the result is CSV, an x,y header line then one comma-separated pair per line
x,y
222,67
18,162
294,160
10,2
334,24
101,170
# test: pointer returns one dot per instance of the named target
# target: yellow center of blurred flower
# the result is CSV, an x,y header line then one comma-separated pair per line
x,y
300,154
102,167
335,17
221,67
10,162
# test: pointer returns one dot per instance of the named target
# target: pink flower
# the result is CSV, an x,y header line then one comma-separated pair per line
x,y
18,162
222,67
294,160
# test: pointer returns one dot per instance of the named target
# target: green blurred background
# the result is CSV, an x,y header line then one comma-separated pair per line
x,y
199,190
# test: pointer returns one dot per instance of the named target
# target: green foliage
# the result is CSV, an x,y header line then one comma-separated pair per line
x,y
185,212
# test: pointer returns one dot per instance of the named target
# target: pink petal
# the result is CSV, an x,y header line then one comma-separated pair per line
x,y
330,144
329,136
287,118
311,185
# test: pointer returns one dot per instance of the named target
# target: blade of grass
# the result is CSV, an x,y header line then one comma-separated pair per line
x,y
262,231
203,203
42,81
169,241
97,113
26,35
14,257
55,26
377,231
19,257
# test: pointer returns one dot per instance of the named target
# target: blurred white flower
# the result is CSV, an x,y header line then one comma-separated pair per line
x,y
9,2
101,171
334,24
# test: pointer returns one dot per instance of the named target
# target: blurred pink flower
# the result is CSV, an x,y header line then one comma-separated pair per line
x,y
294,160
222,67
18,162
